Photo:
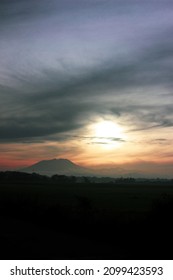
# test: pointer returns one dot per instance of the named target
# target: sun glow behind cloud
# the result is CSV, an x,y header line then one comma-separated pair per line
x,y
107,134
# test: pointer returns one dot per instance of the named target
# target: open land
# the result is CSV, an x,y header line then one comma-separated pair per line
x,y
49,219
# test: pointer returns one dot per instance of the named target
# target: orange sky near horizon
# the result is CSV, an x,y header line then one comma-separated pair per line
x,y
104,143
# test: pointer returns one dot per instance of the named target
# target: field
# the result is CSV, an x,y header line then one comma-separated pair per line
x,y
45,220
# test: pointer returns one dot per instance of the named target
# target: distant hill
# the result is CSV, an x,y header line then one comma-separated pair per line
x,y
58,166
68,168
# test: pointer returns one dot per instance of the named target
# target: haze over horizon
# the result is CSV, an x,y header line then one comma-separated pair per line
x,y
90,81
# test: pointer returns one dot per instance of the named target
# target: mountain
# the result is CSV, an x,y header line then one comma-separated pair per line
x,y
68,168
58,166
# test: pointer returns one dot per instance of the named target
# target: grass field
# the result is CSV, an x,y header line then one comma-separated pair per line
x,y
41,220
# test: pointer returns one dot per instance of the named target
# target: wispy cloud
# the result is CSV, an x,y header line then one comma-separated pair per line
x,y
64,64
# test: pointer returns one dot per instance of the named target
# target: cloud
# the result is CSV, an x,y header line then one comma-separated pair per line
x,y
145,117
50,88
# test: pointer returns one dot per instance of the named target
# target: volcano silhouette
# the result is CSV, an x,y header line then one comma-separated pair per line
x,y
57,166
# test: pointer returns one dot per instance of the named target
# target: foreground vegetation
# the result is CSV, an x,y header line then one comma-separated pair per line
x,y
58,218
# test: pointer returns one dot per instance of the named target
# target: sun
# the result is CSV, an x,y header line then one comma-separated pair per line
x,y
108,134
107,129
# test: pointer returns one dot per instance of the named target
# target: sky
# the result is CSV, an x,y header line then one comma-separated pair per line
x,y
87,80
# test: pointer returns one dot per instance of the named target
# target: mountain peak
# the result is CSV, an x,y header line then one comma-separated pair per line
x,y
59,166
58,159
64,159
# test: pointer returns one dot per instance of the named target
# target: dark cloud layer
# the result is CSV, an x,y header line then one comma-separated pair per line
x,y
53,89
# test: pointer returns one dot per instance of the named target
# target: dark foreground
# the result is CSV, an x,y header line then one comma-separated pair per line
x,y
53,220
